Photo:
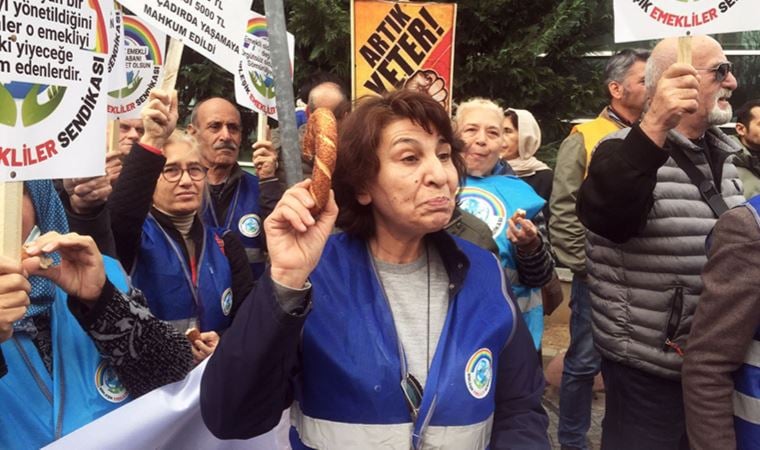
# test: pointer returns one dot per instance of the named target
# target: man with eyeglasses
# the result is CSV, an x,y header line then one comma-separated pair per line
x,y
645,248
193,275
232,198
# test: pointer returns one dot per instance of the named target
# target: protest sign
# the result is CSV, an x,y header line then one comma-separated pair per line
x,y
640,20
254,81
52,91
403,44
117,75
213,28
144,48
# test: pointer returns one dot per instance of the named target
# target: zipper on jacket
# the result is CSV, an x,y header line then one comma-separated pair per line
x,y
673,321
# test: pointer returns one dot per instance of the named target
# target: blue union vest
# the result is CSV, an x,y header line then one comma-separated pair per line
x,y
353,364
493,200
162,273
747,382
243,219
37,407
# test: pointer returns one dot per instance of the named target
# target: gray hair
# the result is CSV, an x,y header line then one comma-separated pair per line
x,y
478,103
621,62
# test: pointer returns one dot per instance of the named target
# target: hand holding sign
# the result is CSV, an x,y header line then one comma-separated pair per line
x,y
264,159
677,93
159,117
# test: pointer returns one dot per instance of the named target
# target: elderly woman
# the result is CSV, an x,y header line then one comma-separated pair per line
x,y
496,199
393,333
192,275
78,342
522,138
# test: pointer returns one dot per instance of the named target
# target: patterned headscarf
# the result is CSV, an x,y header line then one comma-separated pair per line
x,y
49,216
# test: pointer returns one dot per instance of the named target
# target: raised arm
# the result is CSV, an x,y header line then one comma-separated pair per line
x,y
132,195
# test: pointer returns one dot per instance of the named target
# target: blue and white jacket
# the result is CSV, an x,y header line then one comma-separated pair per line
x,y
484,385
39,407
243,218
162,273
494,199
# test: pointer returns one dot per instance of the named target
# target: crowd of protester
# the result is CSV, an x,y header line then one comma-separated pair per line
x,y
409,312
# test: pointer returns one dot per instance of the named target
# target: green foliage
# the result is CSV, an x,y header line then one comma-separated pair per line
x,y
521,54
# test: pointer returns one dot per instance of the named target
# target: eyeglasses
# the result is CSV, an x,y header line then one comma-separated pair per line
x,y
173,174
413,394
721,71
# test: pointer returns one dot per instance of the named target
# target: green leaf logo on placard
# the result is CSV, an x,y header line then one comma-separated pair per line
x,y
33,112
8,110
265,86
128,90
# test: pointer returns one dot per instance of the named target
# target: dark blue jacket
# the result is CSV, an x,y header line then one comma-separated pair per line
x,y
259,368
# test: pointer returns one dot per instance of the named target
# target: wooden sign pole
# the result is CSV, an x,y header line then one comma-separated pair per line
x,y
11,193
684,49
261,127
171,64
113,135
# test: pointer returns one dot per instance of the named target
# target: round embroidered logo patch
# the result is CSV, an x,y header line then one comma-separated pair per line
x,y
108,384
485,206
478,374
227,301
250,225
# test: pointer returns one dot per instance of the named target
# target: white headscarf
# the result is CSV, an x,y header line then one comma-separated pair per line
x,y
529,141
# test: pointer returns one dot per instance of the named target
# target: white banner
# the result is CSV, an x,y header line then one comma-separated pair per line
x,y
212,28
254,80
640,20
53,64
144,47
166,418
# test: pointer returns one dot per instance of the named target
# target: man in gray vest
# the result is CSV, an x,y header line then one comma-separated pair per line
x,y
624,84
645,250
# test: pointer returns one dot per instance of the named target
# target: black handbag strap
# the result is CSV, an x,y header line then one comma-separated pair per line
x,y
706,187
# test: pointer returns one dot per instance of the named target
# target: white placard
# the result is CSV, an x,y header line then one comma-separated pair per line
x,y
640,20
117,75
145,50
213,28
254,80
53,63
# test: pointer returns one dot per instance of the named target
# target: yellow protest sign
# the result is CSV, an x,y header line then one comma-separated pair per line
x,y
403,45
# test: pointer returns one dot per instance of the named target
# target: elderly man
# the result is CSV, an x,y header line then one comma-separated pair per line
x,y
495,199
624,83
648,221
748,132
232,195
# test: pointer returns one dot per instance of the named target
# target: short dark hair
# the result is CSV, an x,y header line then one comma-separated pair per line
x,y
620,63
512,116
358,141
744,113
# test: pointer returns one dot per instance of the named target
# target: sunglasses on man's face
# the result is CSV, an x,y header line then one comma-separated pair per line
x,y
721,71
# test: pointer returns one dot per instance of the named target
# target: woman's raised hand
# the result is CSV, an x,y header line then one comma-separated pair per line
x,y
295,239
